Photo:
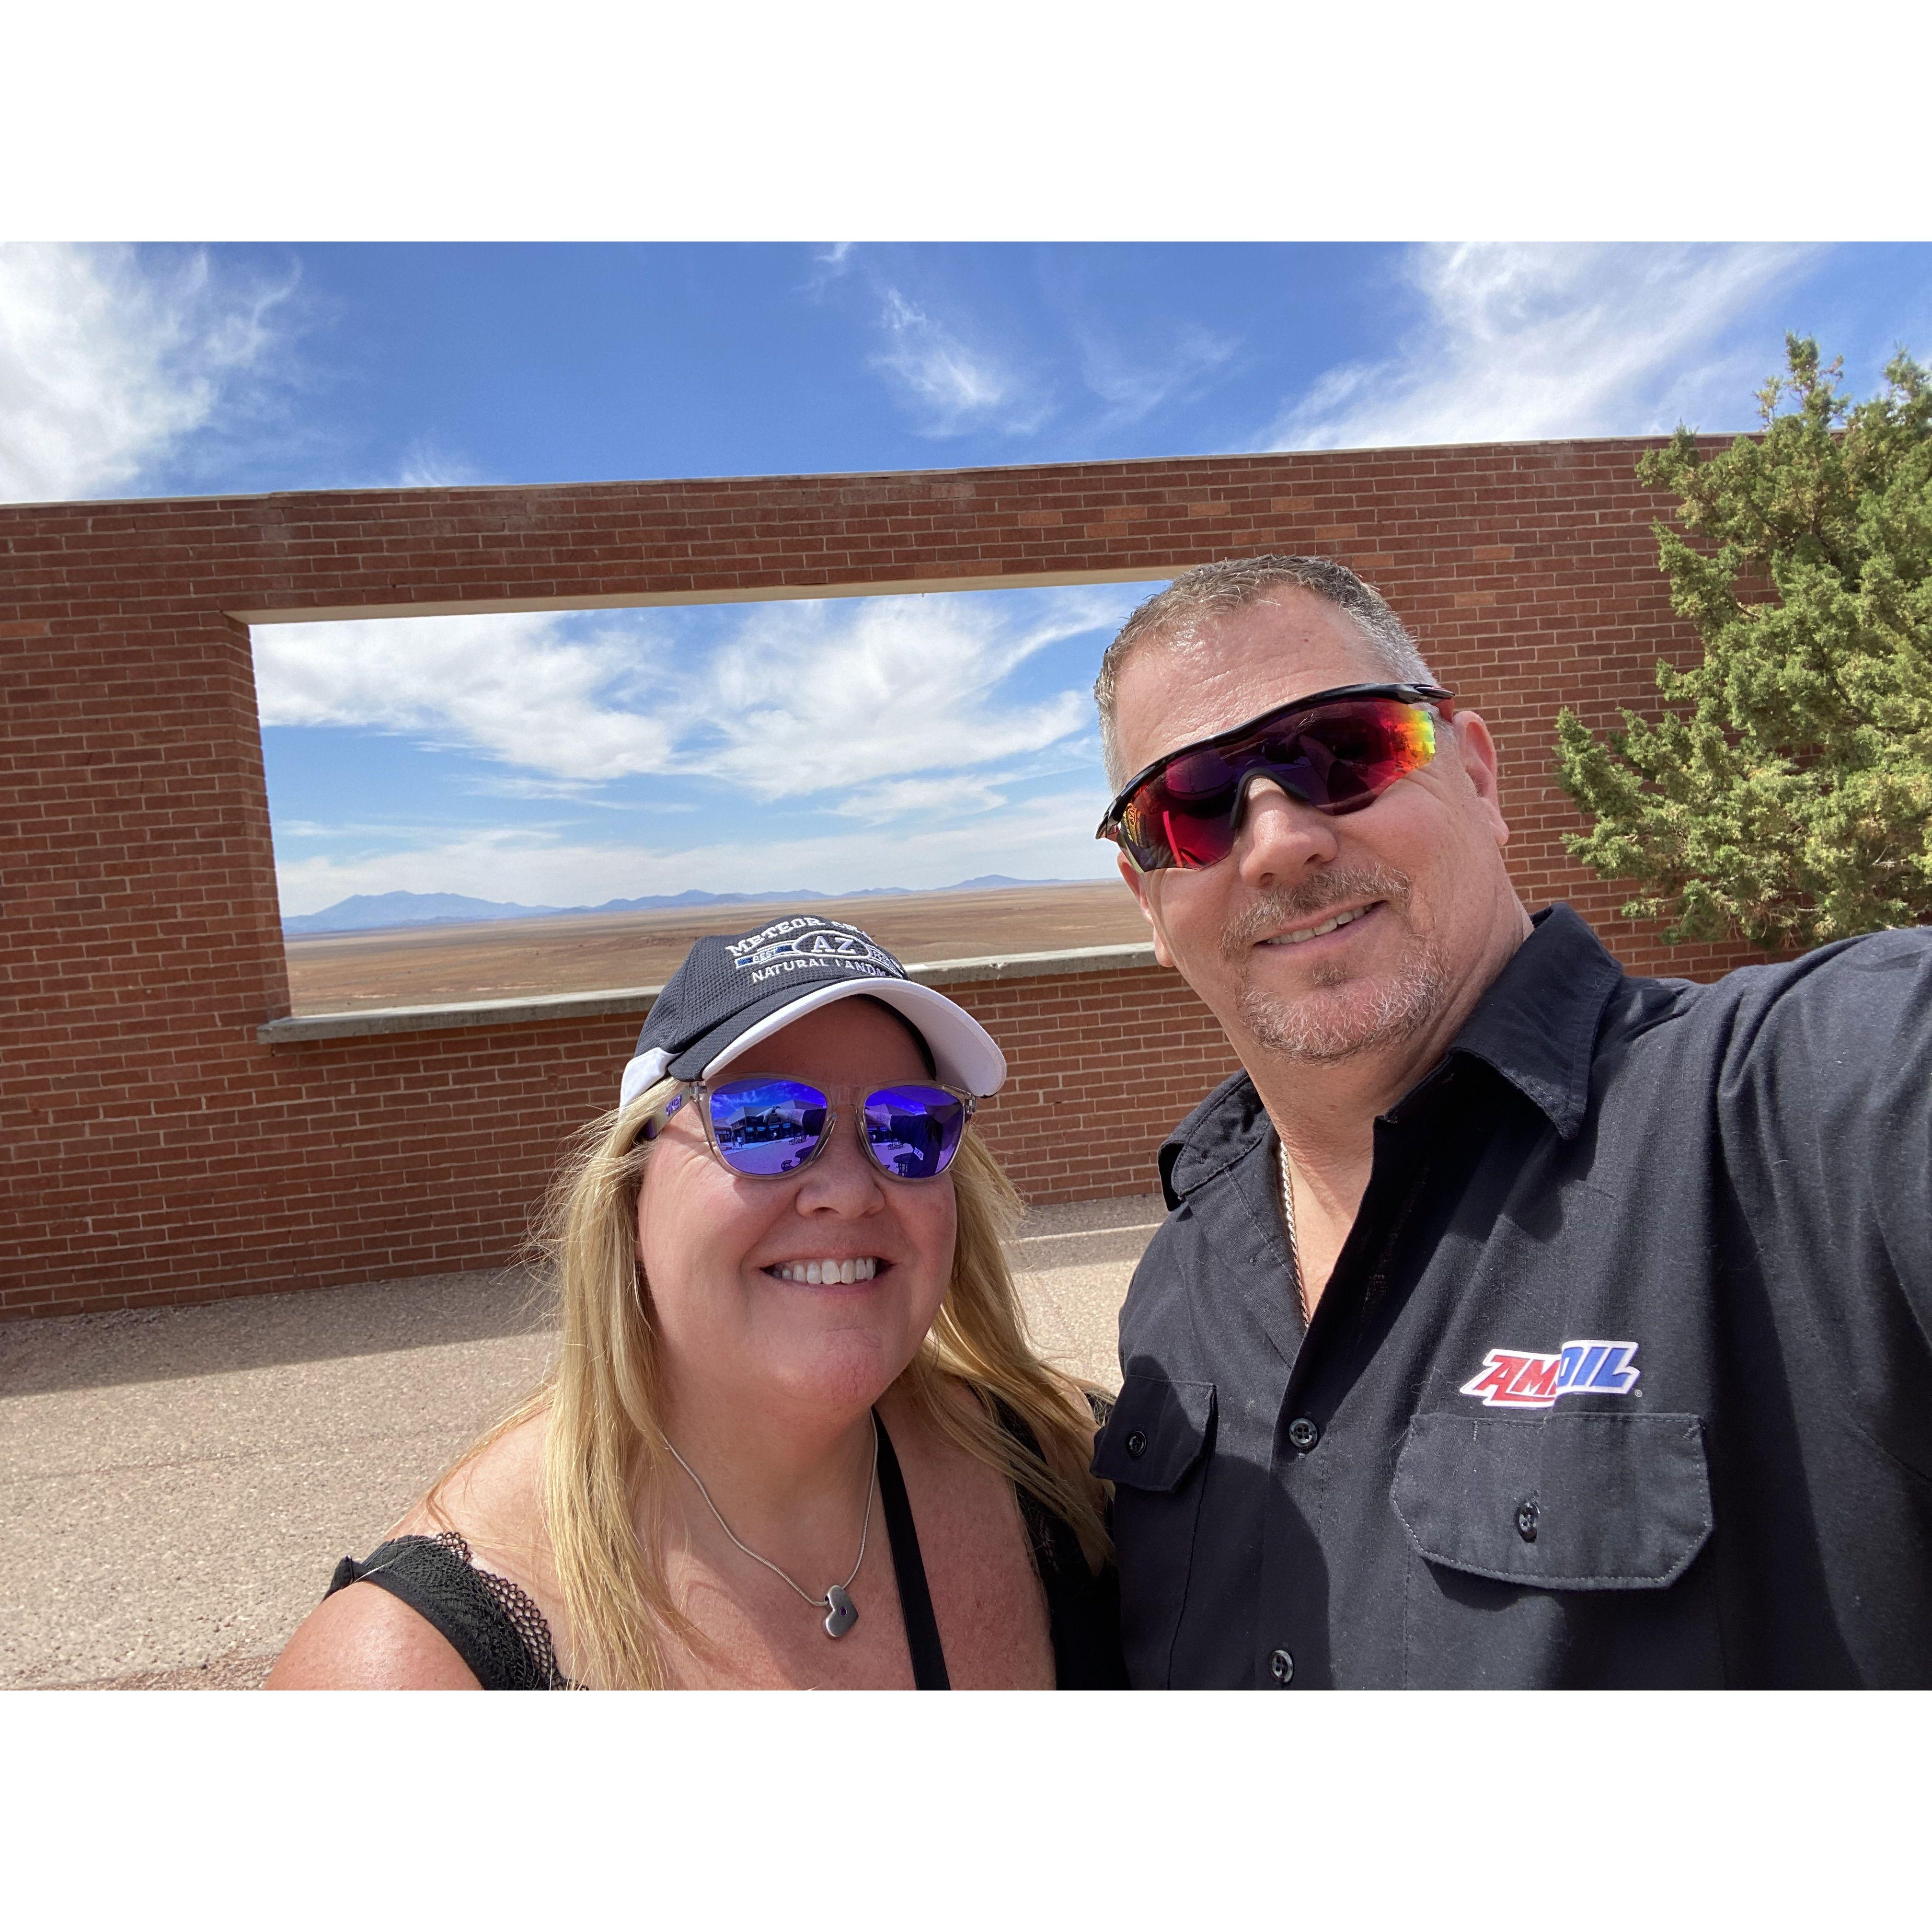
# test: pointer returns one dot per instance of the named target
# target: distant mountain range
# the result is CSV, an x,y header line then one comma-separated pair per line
x,y
367,912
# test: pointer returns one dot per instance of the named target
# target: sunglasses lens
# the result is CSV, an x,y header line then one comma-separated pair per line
x,y
1337,758
1346,756
913,1132
1186,816
767,1127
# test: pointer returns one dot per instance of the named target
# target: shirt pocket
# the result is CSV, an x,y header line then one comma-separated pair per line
x,y
1152,1451
1533,1527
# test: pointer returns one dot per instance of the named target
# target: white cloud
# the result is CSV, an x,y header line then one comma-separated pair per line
x,y
828,264
954,388
513,687
1052,837
109,359
838,694
828,696
426,465
953,792
1134,390
1523,342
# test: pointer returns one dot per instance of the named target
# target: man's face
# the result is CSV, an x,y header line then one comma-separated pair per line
x,y
1417,878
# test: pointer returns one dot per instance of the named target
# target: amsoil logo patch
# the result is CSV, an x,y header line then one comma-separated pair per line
x,y
1523,1378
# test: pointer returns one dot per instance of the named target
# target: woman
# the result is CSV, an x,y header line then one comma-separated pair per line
x,y
794,1436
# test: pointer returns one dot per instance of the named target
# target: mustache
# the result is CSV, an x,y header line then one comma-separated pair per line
x,y
1290,905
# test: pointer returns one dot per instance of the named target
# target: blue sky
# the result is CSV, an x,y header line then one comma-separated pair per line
x,y
571,758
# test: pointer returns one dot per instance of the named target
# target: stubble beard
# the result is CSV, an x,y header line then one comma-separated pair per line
x,y
1327,1024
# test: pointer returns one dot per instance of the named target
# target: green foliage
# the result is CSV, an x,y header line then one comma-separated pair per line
x,y
1785,793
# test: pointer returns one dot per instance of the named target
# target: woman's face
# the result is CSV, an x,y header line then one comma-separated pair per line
x,y
717,1246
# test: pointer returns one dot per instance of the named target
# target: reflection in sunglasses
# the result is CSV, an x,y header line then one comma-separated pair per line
x,y
1336,756
766,1129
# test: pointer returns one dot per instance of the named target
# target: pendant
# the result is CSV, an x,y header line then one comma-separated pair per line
x,y
841,1612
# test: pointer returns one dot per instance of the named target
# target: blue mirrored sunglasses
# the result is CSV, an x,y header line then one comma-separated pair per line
x,y
768,1129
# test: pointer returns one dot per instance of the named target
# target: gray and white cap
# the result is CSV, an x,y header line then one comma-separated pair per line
x,y
731,993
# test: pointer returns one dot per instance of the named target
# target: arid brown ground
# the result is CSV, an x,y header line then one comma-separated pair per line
x,y
505,959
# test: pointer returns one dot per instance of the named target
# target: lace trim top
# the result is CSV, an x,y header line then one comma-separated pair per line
x,y
495,1628
503,1638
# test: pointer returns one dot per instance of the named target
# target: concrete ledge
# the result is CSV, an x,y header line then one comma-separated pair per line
x,y
637,999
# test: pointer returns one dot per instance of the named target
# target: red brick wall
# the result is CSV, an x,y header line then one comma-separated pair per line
x,y
155,1151
407,1153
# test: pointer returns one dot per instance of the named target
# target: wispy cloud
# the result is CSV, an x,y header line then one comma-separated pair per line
x,y
1054,838
951,386
814,699
830,263
1134,388
1521,342
112,358
517,688
427,465
953,792
825,696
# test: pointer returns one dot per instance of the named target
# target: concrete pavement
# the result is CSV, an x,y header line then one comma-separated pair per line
x,y
179,1482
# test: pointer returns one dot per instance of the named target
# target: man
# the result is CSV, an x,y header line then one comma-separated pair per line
x,y
1516,1322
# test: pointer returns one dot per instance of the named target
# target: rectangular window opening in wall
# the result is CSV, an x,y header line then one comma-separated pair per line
x,y
511,806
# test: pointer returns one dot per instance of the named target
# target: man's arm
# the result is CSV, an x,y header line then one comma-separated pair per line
x,y
1825,1102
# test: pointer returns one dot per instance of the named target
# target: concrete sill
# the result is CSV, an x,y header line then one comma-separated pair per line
x,y
637,999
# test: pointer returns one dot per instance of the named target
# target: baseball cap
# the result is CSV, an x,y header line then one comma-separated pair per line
x,y
733,992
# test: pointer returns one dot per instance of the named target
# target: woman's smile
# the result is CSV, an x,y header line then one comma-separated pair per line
x,y
828,1272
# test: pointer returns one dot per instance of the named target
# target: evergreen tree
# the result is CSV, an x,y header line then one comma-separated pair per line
x,y
1785,793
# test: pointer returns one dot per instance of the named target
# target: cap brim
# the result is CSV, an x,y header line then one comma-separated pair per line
x,y
964,1053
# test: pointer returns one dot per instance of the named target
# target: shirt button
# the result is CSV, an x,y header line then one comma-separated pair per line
x,y
1526,1522
1304,1434
1282,1666
1137,1443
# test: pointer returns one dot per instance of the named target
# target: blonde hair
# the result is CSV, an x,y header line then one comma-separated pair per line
x,y
604,1452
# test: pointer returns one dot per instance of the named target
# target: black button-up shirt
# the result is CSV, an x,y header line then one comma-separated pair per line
x,y
1623,1376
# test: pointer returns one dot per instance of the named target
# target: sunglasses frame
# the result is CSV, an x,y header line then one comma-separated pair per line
x,y
835,1101
1431,697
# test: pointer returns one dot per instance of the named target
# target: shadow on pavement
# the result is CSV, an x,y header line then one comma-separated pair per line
x,y
260,1331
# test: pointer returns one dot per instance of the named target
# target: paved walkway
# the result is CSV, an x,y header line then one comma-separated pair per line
x,y
179,1482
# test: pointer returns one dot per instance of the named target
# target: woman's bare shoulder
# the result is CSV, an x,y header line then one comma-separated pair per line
x,y
363,1638
493,1500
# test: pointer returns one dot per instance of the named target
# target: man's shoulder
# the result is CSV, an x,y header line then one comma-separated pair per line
x,y
1830,1002
1224,1126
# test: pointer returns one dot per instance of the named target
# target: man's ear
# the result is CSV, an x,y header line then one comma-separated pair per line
x,y
1137,884
1477,751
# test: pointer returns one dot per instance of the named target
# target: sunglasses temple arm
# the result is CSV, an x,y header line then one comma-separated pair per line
x,y
656,1123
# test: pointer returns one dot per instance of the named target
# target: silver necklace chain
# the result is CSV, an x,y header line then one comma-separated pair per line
x,y
1294,1239
820,1602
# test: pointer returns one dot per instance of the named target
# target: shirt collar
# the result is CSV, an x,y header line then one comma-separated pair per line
x,y
1536,1025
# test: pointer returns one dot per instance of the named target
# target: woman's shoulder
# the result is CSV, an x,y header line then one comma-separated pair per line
x,y
493,1499
365,1637
458,1596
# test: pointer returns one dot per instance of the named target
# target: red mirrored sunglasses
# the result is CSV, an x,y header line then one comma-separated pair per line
x,y
1337,751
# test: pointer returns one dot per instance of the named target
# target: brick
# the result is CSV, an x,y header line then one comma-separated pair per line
x,y
158,1154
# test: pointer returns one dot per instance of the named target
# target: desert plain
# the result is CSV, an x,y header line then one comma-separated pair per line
x,y
587,952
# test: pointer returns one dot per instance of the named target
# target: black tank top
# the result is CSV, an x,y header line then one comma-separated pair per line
x,y
503,1637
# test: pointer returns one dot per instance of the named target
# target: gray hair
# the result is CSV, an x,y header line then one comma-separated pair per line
x,y
1216,590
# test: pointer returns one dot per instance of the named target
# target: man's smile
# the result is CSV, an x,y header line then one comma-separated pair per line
x,y
1322,925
